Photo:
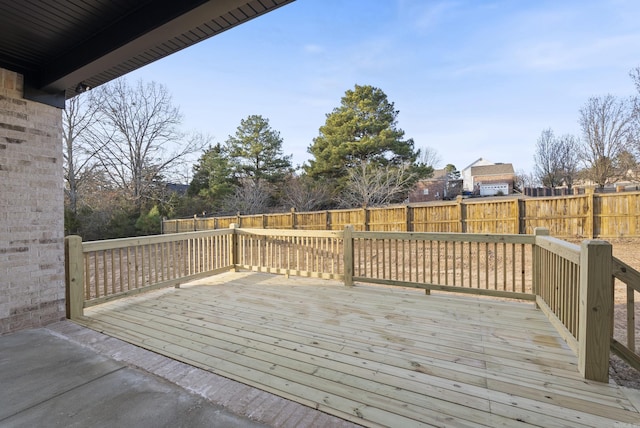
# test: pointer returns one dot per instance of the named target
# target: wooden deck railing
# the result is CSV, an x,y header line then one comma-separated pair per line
x,y
103,270
494,265
631,278
303,253
571,284
556,283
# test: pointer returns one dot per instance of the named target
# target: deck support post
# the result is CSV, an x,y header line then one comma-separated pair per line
x,y
233,247
595,310
74,276
348,255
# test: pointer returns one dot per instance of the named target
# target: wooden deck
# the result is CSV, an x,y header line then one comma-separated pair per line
x,y
376,356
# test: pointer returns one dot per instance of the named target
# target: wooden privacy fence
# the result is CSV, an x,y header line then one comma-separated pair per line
x,y
572,284
584,216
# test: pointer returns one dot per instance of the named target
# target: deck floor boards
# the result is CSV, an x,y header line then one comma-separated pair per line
x,y
374,355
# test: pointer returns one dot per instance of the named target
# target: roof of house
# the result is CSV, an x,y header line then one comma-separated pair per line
x,y
62,47
438,174
497,169
481,161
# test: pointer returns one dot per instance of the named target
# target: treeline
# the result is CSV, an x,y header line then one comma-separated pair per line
x,y
118,166
123,147
607,151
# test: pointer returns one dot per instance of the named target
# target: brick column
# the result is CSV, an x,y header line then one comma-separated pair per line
x,y
31,210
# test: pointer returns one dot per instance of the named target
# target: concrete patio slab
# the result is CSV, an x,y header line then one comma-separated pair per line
x,y
50,381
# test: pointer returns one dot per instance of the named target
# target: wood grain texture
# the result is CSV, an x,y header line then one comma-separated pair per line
x,y
375,355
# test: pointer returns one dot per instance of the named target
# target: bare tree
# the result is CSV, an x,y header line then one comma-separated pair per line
x,y
430,157
78,117
138,126
568,146
635,148
370,185
556,159
547,163
608,128
305,194
627,165
525,179
250,197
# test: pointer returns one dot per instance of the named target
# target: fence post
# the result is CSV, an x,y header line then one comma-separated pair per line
x,y
461,213
195,228
595,310
537,274
408,218
348,255
293,218
591,213
74,276
233,247
517,227
365,218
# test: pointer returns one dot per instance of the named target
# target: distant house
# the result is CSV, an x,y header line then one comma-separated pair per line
x,y
436,188
180,189
467,179
482,178
491,180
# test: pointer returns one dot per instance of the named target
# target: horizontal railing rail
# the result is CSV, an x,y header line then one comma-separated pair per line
x,y
631,278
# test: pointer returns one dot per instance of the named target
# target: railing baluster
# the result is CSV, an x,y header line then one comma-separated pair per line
x,y
105,288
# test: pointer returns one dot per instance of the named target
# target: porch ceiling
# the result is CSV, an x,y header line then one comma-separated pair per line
x,y
57,45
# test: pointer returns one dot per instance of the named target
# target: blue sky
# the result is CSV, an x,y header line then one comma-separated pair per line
x,y
470,78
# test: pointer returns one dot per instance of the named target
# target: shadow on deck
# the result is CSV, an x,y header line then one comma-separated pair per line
x,y
370,354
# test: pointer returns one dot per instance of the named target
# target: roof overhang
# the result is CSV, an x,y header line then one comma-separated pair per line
x,y
62,47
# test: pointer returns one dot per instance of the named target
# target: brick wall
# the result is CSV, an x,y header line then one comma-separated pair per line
x,y
31,210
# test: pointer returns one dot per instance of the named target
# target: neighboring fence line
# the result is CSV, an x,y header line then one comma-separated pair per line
x,y
591,215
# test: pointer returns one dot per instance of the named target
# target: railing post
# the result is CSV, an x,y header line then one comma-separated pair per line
x,y
74,276
348,255
596,310
233,247
537,263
